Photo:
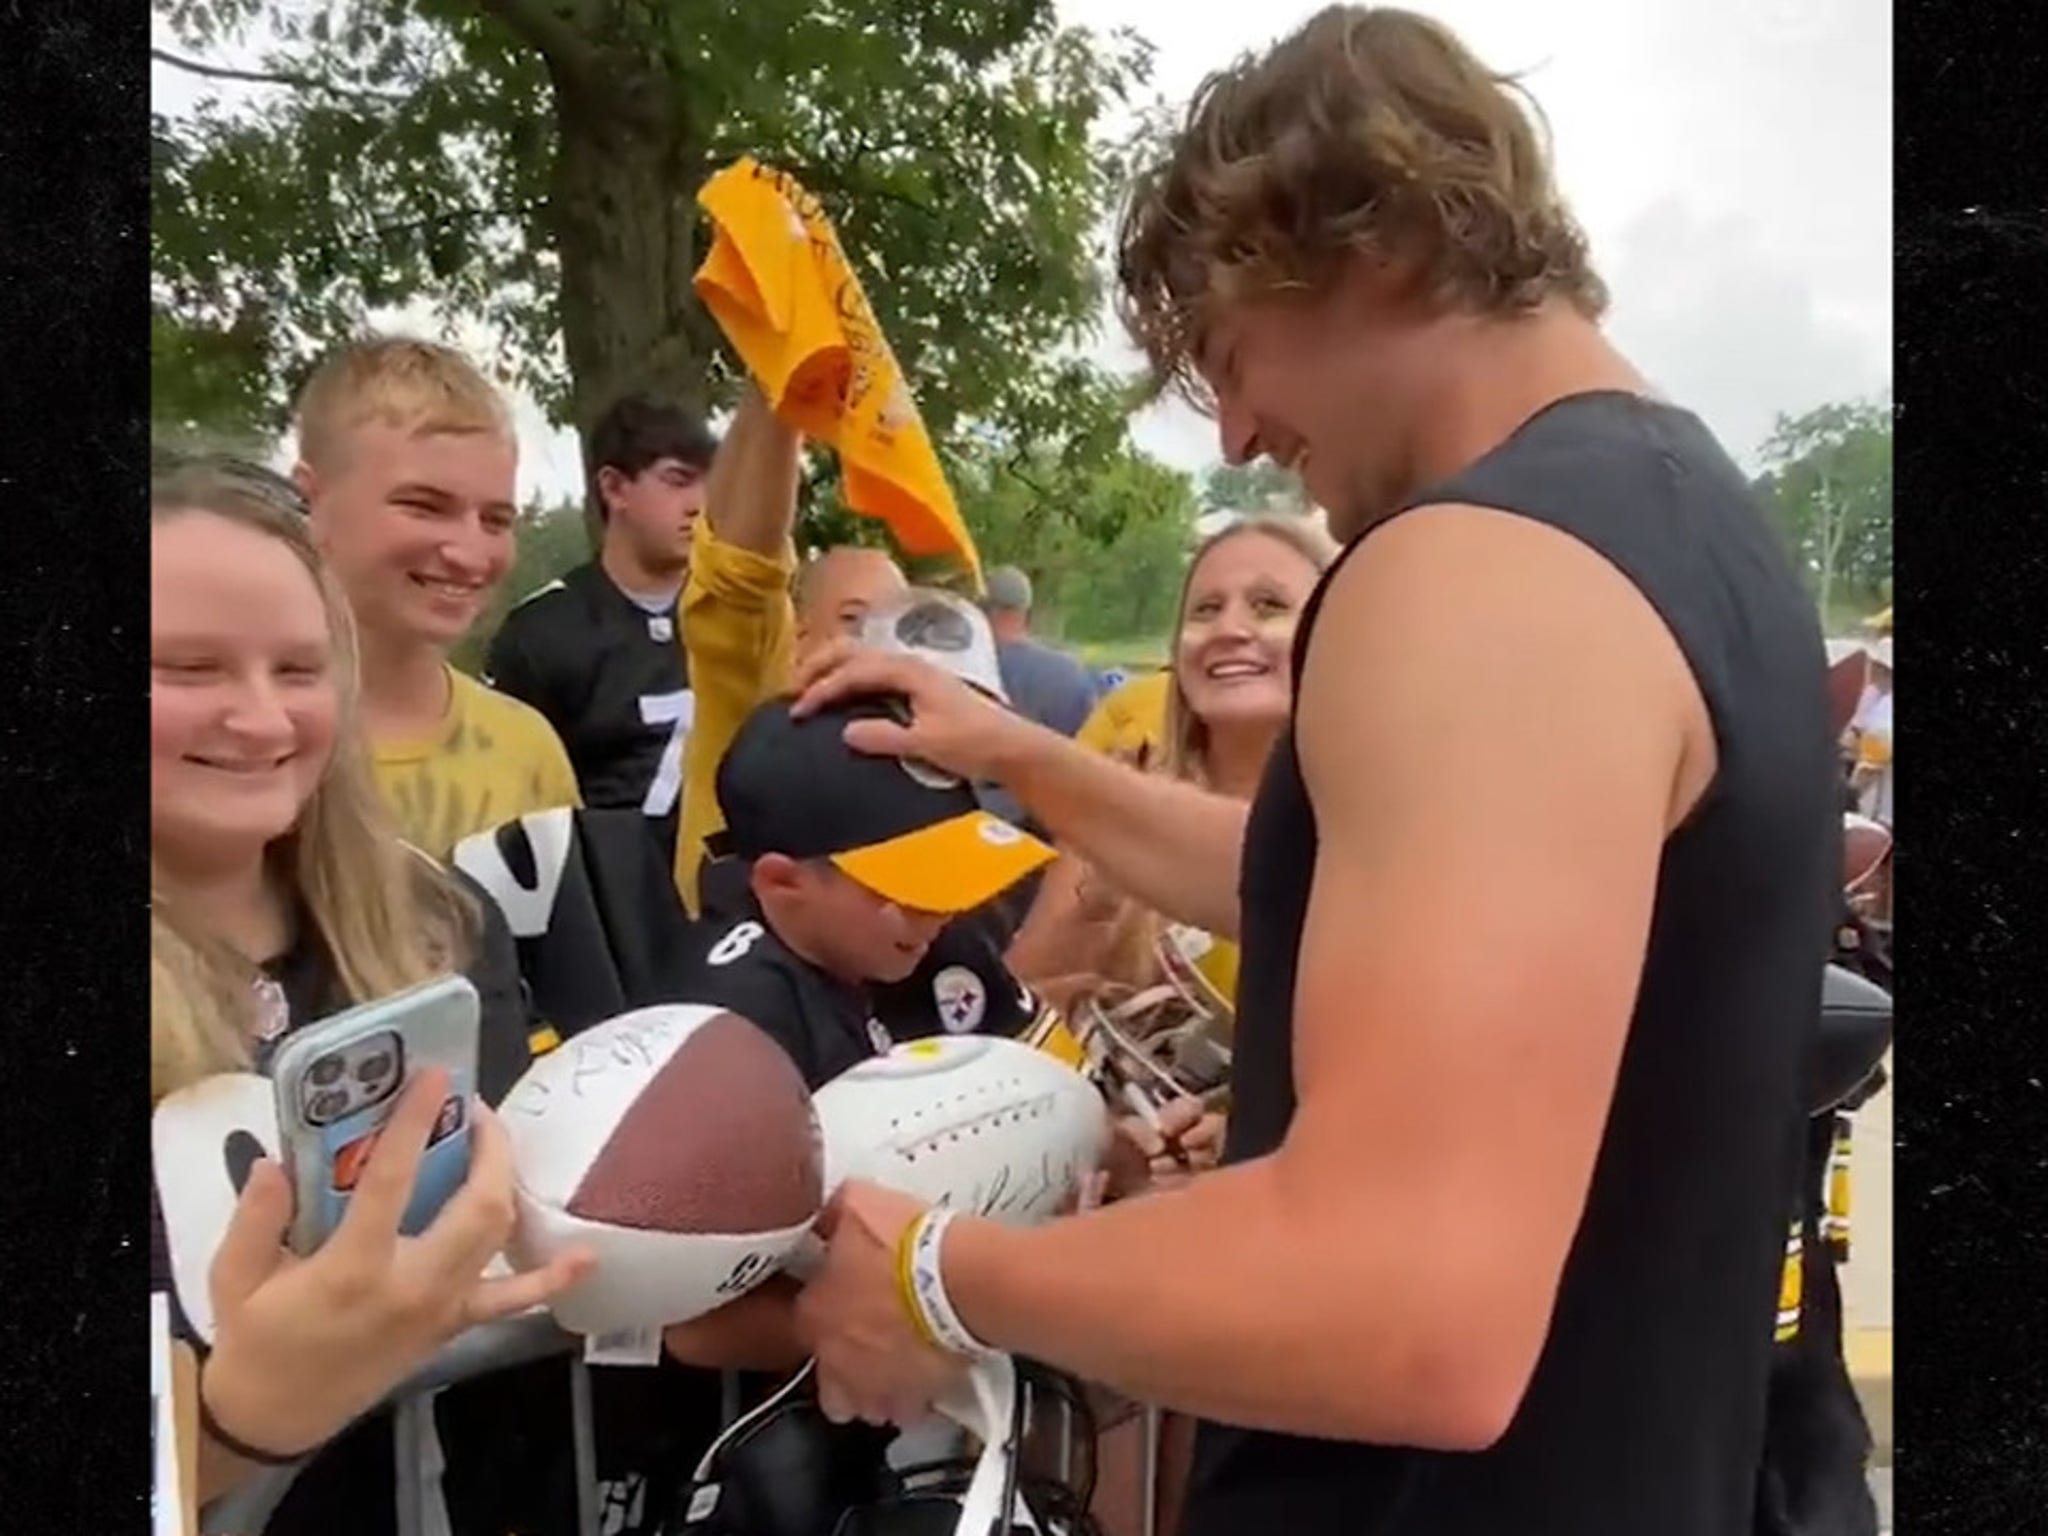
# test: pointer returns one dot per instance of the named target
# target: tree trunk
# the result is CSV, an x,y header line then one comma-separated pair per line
x,y
623,207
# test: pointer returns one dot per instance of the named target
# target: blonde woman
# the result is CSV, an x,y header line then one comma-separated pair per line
x,y
280,893
1231,688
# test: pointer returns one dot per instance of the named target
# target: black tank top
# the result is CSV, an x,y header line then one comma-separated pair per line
x,y
1645,1416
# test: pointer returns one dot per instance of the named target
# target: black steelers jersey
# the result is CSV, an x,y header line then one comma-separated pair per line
x,y
961,986
826,1025
611,678
592,907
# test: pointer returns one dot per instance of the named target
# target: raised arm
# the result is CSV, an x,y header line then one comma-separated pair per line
x,y
750,497
737,624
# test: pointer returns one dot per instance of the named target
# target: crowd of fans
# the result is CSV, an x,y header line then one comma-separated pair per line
x,y
318,760
319,764
336,807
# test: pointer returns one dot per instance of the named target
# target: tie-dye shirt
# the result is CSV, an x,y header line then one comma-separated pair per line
x,y
493,759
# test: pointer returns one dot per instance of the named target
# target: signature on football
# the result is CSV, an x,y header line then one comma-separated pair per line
x,y
587,1059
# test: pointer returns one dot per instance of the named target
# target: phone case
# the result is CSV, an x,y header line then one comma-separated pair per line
x,y
337,1082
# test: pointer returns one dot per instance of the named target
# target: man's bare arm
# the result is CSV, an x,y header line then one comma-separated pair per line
x,y
1389,1274
1171,846
750,496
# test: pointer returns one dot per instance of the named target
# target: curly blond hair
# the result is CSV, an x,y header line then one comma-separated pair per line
x,y
1370,131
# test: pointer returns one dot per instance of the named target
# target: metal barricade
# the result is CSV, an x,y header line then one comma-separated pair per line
x,y
498,1346
501,1346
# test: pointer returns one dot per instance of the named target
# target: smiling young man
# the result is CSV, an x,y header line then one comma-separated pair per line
x,y
407,459
1517,1075
596,651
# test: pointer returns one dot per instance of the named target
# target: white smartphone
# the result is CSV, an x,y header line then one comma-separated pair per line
x,y
337,1082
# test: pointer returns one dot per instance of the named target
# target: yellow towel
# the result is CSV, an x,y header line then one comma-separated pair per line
x,y
779,285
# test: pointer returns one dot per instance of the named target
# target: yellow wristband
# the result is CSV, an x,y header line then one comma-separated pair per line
x,y
906,1285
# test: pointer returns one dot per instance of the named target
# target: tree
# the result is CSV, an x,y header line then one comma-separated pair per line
x,y
1104,541
1259,486
533,164
1829,478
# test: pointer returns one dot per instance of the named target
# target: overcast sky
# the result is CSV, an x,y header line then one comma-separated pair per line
x,y
1731,164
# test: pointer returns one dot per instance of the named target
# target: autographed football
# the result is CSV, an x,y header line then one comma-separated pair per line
x,y
983,1124
679,1146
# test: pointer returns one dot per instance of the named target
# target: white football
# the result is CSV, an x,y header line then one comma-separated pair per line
x,y
203,1140
675,1143
979,1123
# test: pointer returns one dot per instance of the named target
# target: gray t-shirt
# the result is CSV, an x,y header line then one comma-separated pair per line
x,y
1046,685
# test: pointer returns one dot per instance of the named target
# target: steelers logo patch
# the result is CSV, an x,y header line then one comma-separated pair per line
x,y
961,999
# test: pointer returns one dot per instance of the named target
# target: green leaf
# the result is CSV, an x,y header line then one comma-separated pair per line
x,y
436,155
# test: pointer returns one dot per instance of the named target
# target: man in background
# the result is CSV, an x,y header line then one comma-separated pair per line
x,y
596,651
408,461
1045,685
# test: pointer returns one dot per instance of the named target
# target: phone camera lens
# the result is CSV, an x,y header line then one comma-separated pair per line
x,y
374,1069
330,1105
326,1071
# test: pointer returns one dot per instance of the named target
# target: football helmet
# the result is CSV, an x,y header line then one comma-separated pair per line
x,y
784,1469
1204,968
1154,1046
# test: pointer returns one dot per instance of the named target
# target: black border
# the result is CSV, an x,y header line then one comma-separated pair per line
x,y
74,190
1972,580
1972,1111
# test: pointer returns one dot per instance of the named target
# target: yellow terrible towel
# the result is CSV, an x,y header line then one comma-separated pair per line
x,y
779,285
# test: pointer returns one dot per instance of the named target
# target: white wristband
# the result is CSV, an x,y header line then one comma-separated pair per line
x,y
928,1288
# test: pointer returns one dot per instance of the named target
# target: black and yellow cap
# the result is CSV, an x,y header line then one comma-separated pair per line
x,y
906,831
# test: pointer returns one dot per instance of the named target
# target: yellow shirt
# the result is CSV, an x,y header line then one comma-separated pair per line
x,y
739,633
492,760
1129,716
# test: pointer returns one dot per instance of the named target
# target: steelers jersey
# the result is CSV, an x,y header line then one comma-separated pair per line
x,y
960,987
611,678
826,1026
593,913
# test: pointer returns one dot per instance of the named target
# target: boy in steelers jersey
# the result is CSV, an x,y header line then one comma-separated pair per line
x,y
598,650
748,612
854,866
